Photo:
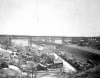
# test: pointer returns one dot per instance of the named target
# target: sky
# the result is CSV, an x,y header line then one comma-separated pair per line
x,y
50,17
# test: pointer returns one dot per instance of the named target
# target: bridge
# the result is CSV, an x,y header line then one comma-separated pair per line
x,y
50,39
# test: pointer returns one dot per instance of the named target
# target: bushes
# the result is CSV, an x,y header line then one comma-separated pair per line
x,y
91,73
95,46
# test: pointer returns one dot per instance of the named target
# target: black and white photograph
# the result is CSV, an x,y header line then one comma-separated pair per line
x,y
49,38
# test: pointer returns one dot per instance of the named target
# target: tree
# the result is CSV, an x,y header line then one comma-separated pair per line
x,y
5,41
46,59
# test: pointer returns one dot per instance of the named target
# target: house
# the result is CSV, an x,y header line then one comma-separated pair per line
x,y
65,65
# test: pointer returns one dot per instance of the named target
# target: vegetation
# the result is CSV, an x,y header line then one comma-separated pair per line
x,y
28,53
91,73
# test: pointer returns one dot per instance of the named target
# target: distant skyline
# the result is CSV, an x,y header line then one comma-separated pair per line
x,y
50,17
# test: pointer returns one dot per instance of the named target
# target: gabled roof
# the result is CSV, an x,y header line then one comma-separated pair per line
x,y
66,66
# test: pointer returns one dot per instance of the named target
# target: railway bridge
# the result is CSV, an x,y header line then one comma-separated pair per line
x,y
49,39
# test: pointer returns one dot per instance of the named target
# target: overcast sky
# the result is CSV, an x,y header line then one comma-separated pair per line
x,y
50,17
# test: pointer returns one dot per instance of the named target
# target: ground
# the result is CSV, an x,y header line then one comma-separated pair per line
x,y
51,73
89,49
77,52
81,53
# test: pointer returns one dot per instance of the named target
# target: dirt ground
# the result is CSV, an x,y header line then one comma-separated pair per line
x,y
89,49
53,73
